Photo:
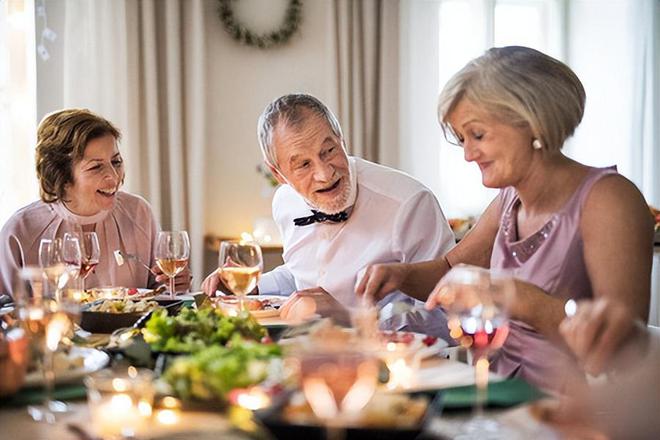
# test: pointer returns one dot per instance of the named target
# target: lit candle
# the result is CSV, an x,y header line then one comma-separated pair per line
x,y
252,398
120,406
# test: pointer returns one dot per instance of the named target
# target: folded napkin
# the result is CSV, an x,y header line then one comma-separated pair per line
x,y
505,393
35,396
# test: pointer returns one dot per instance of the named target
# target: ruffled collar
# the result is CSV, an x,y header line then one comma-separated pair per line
x,y
82,220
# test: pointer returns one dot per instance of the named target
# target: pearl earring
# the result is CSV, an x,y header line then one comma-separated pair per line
x,y
537,145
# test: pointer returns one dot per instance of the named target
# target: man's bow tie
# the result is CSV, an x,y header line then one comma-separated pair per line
x,y
318,216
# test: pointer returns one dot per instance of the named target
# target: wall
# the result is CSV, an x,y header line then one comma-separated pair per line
x,y
244,81
241,81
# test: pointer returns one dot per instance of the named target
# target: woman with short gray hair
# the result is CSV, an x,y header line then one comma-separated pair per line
x,y
564,229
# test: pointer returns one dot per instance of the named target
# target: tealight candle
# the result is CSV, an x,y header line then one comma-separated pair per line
x,y
120,404
251,398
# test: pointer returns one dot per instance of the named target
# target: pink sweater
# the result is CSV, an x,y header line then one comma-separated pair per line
x,y
130,227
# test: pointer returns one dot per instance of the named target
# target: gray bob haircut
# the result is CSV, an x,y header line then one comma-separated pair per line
x,y
289,110
521,87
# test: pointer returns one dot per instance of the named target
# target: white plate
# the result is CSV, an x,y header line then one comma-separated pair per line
x,y
270,313
94,360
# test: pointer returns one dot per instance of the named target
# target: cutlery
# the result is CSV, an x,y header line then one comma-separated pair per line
x,y
121,257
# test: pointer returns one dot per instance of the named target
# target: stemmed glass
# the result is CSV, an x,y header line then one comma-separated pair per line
x,y
473,298
239,265
338,381
172,254
60,258
46,321
91,253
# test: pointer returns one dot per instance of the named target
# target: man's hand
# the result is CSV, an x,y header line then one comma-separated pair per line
x,y
213,283
181,282
303,304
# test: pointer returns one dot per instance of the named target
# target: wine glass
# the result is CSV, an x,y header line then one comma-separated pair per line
x,y
172,253
91,252
60,258
239,265
46,322
473,298
338,381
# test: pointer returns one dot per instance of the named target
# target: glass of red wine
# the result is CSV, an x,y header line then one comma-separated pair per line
x,y
91,252
474,299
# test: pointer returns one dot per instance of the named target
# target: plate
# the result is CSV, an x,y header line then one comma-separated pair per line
x,y
280,428
93,361
231,302
104,322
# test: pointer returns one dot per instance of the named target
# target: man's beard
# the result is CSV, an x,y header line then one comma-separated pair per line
x,y
339,203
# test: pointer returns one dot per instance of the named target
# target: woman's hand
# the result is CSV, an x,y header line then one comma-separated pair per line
x,y
381,279
599,331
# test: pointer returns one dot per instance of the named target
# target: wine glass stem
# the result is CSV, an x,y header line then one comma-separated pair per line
x,y
49,377
240,304
481,382
172,293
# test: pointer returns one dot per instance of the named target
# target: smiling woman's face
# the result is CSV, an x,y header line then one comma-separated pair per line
x,y
313,161
96,177
503,152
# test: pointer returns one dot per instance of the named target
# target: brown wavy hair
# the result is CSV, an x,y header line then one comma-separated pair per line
x,y
62,137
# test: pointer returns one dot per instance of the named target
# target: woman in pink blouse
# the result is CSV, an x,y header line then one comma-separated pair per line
x,y
565,230
80,172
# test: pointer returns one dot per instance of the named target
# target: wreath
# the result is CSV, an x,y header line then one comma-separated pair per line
x,y
269,39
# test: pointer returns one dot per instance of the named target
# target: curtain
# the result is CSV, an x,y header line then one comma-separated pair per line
x,y
141,65
17,107
646,106
366,55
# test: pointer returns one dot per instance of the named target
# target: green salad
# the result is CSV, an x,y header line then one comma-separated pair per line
x,y
193,330
211,373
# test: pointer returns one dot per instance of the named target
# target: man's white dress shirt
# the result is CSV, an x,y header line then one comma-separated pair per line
x,y
394,219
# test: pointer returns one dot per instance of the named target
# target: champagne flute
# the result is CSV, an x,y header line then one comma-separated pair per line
x,y
473,298
239,266
91,253
172,253
46,324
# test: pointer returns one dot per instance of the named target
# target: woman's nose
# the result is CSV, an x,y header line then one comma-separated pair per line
x,y
469,153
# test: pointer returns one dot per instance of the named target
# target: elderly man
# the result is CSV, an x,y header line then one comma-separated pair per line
x,y
339,214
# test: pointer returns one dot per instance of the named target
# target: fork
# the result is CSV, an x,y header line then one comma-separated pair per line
x,y
120,258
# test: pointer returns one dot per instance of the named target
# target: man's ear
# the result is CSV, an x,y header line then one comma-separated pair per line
x,y
277,175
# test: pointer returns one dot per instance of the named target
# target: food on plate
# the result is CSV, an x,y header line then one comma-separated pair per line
x,y
383,411
251,304
193,330
656,216
123,306
212,373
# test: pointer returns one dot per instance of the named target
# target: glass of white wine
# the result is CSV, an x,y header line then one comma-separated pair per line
x,y
46,322
172,254
239,266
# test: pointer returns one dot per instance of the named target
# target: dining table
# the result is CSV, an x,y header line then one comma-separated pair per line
x,y
438,377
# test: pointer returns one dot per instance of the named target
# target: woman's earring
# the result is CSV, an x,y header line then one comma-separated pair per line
x,y
537,145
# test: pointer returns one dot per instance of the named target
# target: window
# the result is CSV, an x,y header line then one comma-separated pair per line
x,y
17,105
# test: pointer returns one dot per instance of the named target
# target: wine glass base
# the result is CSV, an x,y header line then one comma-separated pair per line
x,y
482,428
46,412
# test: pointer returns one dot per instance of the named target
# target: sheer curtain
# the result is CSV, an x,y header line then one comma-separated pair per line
x,y
141,65
17,106
365,51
